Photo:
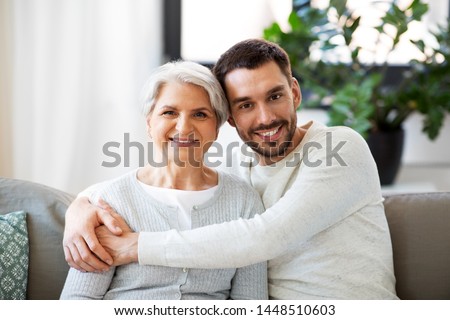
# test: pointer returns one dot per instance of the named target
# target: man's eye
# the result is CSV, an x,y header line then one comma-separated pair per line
x,y
245,106
275,96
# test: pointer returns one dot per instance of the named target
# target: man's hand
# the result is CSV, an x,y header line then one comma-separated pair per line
x,y
123,248
81,247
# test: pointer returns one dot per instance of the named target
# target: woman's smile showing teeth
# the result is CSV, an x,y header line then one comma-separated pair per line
x,y
184,142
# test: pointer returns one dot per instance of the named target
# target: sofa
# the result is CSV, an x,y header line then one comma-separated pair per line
x,y
419,225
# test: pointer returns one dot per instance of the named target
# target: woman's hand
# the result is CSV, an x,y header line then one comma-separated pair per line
x,y
81,246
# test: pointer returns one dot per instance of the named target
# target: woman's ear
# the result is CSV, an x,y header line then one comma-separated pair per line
x,y
149,128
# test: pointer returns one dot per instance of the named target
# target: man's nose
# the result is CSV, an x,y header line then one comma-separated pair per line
x,y
265,114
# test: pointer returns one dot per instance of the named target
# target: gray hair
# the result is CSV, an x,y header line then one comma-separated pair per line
x,y
186,72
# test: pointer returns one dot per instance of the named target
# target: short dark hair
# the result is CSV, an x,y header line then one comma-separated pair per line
x,y
251,54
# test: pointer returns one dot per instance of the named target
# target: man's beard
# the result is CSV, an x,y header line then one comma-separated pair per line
x,y
271,150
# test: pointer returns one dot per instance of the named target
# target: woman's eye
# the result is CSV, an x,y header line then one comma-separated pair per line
x,y
168,113
200,115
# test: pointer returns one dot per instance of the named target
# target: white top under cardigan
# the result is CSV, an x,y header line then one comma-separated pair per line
x,y
185,200
324,229
232,199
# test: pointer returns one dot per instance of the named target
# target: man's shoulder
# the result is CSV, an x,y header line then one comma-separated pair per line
x,y
339,140
319,131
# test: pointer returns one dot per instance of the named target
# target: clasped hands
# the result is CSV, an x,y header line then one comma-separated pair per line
x,y
96,237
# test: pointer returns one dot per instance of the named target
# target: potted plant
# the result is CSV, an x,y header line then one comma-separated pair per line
x,y
355,83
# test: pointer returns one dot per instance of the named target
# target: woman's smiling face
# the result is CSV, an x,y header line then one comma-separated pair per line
x,y
183,123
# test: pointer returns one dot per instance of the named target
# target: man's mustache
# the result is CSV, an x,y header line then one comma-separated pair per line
x,y
273,125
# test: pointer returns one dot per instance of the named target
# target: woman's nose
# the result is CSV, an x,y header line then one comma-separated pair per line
x,y
184,125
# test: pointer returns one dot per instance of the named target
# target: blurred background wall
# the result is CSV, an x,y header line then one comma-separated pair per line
x,y
71,72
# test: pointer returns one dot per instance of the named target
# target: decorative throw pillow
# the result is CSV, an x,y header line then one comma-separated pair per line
x,y
13,256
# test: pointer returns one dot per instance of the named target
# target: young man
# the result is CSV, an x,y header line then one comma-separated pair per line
x,y
324,231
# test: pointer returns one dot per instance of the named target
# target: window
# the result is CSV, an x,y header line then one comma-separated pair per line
x,y
201,30
208,28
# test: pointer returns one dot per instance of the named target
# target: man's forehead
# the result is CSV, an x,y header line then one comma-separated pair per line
x,y
243,81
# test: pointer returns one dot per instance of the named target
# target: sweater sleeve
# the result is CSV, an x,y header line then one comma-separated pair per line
x,y
86,285
250,282
336,178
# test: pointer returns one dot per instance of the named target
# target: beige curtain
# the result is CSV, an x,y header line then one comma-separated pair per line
x,y
6,169
73,84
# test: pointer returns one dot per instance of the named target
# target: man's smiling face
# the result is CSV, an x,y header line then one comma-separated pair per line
x,y
263,109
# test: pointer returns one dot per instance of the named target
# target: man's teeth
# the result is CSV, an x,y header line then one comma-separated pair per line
x,y
184,141
269,133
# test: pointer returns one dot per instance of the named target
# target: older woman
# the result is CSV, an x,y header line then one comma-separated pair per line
x,y
184,108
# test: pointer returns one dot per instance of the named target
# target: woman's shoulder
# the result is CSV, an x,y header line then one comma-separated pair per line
x,y
231,179
236,185
238,191
115,185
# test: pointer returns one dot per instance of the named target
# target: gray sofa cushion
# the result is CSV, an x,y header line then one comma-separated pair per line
x,y
419,225
45,209
420,231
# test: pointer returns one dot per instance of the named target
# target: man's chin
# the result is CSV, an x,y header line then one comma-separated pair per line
x,y
270,152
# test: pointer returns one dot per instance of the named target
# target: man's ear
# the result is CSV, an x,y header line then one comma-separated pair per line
x,y
231,121
296,92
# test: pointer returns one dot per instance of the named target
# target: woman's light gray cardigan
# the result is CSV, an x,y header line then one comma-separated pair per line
x,y
232,200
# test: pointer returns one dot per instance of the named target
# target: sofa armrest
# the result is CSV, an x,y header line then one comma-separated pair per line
x,y
420,231
45,209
